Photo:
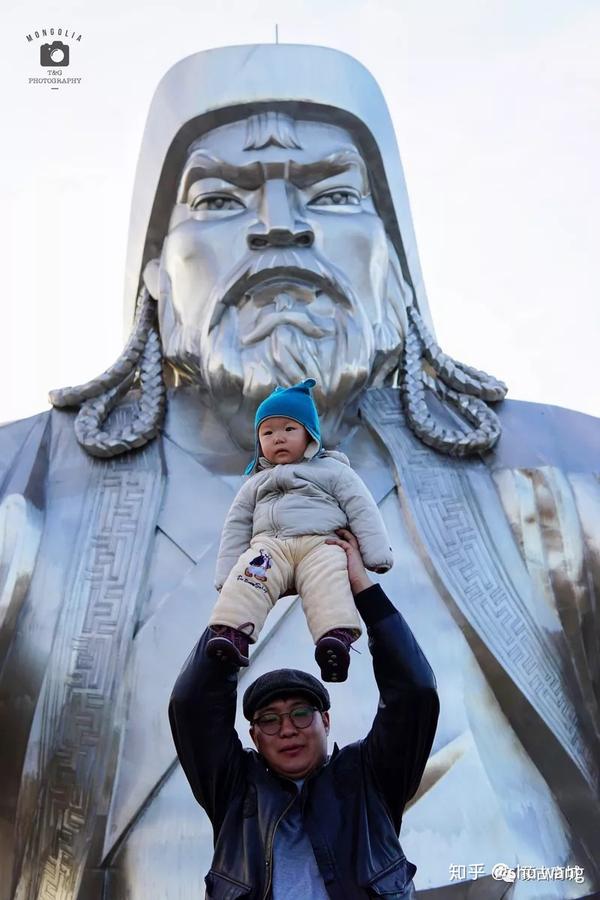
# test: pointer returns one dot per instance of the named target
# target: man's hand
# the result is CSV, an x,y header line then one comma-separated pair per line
x,y
357,574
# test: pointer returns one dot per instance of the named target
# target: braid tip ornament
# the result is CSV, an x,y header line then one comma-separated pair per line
x,y
461,388
140,363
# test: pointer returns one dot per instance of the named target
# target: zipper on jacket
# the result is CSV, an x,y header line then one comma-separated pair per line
x,y
278,487
269,859
272,516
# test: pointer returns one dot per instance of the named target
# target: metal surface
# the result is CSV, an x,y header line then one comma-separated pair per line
x,y
278,245
280,231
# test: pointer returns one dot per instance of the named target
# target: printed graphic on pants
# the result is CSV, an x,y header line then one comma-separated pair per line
x,y
258,566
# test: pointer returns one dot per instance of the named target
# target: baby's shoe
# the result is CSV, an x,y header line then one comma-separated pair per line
x,y
230,644
333,653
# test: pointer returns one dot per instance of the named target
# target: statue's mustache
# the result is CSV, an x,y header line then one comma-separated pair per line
x,y
278,266
311,325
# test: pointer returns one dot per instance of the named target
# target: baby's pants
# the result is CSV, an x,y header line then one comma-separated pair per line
x,y
273,567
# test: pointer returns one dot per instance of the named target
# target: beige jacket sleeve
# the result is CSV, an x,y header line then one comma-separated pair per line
x,y
237,531
365,521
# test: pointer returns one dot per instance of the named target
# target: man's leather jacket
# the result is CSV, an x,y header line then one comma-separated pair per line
x,y
352,805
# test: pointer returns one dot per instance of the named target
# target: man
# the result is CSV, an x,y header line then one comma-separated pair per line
x,y
288,821
271,240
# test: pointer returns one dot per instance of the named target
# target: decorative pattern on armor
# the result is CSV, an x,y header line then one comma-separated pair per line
x,y
474,573
84,679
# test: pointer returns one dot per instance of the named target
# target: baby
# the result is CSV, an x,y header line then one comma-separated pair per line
x,y
274,540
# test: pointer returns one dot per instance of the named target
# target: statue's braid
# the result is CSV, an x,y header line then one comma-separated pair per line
x,y
142,361
415,380
152,398
457,375
126,363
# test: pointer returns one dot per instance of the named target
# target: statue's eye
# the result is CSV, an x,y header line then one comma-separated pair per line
x,y
336,197
216,202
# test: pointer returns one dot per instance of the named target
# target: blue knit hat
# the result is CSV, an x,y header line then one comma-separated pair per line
x,y
294,403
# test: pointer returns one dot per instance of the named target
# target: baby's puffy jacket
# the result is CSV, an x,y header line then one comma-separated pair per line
x,y
313,496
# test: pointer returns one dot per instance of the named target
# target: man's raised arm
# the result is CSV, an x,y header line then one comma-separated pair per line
x,y
398,745
202,716
399,742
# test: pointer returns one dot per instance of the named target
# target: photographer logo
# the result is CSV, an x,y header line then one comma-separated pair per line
x,y
54,56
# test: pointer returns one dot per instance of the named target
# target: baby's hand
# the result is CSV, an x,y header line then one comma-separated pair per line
x,y
357,574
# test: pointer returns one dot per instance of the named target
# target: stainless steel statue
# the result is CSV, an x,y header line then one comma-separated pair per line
x,y
271,240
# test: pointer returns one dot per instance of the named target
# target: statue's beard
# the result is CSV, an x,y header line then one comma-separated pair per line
x,y
279,335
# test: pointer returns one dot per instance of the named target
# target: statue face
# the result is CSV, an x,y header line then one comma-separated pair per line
x,y
276,267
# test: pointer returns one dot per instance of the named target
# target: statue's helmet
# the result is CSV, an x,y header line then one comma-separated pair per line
x,y
216,87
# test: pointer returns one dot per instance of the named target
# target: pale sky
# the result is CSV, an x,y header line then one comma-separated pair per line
x,y
498,122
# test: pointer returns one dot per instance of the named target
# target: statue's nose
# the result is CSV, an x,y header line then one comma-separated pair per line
x,y
277,225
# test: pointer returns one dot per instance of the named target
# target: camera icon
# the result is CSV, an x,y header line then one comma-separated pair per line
x,y
54,54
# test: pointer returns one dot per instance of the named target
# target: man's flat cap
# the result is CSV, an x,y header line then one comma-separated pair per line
x,y
281,682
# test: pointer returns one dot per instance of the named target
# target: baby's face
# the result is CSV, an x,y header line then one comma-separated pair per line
x,y
282,440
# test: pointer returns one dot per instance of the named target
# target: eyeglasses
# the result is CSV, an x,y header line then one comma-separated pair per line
x,y
300,717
